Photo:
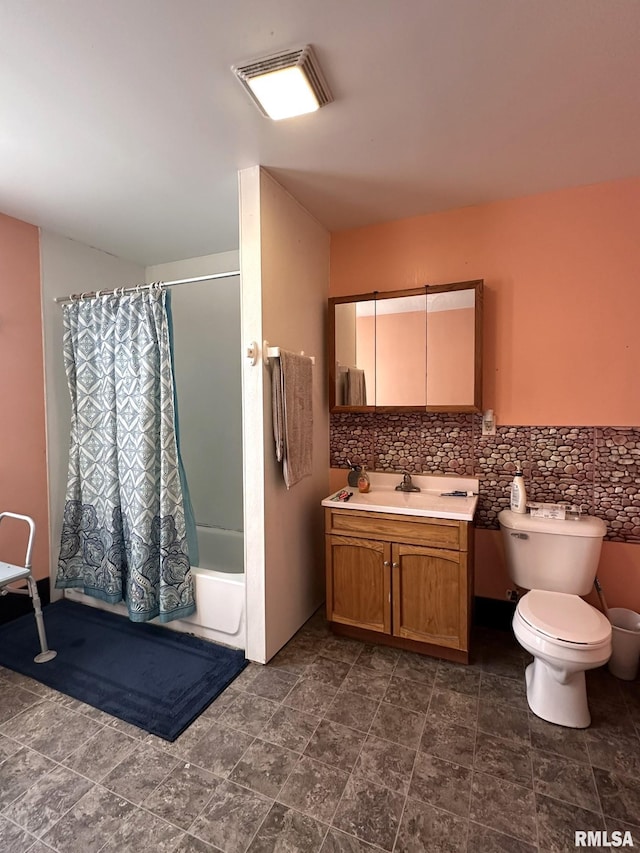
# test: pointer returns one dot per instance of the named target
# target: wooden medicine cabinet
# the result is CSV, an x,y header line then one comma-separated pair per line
x,y
407,350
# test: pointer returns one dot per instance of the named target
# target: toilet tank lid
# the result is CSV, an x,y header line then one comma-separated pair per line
x,y
587,525
564,617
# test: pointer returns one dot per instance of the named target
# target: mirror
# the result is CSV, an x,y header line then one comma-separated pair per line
x,y
418,349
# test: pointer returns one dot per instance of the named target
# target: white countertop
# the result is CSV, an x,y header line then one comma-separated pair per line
x,y
428,502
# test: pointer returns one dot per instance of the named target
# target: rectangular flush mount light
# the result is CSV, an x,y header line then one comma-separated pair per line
x,y
285,84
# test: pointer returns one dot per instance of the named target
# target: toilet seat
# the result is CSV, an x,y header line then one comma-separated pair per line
x,y
564,618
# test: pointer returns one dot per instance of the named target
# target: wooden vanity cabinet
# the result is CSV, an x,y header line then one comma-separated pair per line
x,y
400,580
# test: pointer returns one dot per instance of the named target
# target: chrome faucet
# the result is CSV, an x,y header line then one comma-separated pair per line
x,y
406,485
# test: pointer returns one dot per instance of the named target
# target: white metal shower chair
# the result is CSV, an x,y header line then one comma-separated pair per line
x,y
10,574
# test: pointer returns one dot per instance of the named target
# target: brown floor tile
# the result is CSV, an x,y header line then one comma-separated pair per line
x,y
558,821
413,695
336,745
19,772
341,648
92,820
370,812
231,817
339,842
559,777
290,728
619,795
272,684
380,658
449,741
139,773
366,682
101,753
497,688
386,763
503,806
182,795
504,721
446,706
571,743
484,840
314,789
457,677
248,713
416,667
503,758
364,748
264,768
286,829
352,710
430,830
44,803
397,724
311,696
14,839
220,749
441,784
143,831
328,671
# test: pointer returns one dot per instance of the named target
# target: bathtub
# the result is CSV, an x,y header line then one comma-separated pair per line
x,y
219,590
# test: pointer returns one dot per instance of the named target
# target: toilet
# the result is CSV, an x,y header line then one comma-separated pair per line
x,y
557,562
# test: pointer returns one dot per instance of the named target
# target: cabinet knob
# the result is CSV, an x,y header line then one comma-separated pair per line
x,y
386,563
394,565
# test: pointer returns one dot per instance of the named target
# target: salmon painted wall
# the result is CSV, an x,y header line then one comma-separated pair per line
x,y
561,317
23,466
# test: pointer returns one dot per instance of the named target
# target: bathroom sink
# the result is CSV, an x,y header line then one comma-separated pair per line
x,y
428,502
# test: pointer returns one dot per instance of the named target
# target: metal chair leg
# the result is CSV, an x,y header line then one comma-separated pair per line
x,y
46,654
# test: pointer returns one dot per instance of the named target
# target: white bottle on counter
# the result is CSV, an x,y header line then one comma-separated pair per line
x,y
518,493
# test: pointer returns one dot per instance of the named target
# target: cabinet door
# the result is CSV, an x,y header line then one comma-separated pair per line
x,y
430,595
359,583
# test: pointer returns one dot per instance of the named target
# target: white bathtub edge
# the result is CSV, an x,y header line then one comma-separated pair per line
x,y
220,598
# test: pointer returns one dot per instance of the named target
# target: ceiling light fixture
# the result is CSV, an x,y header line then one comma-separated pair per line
x,y
285,84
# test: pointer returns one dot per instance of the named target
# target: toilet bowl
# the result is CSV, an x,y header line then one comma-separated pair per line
x,y
556,561
566,637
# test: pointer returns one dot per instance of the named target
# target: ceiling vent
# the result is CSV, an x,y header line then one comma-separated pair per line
x,y
285,84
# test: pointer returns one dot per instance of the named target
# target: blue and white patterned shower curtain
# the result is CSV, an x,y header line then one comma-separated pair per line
x,y
124,534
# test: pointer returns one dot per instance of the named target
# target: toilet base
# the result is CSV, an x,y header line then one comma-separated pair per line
x,y
562,704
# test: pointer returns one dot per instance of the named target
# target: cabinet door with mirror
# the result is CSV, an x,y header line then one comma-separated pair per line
x,y
418,349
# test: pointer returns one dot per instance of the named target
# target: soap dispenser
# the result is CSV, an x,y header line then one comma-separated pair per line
x,y
518,492
354,473
364,483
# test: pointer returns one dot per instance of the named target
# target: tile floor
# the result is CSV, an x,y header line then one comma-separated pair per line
x,y
335,746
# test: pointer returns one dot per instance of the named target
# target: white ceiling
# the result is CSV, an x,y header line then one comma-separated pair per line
x,y
122,126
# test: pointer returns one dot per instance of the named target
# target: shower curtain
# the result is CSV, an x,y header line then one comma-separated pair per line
x,y
124,534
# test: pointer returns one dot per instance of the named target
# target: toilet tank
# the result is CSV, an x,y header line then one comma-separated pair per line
x,y
545,553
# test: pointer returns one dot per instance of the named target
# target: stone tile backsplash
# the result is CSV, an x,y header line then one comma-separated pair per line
x,y
597,467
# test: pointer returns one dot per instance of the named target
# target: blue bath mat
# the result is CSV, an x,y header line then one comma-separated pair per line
x,y
157,679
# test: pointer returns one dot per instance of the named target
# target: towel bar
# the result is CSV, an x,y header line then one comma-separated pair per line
x,y
274,352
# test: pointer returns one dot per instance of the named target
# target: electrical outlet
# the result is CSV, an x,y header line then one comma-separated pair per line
x,y
488,423
511,595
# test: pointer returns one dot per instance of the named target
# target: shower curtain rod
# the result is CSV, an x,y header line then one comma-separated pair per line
x,y
89,294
